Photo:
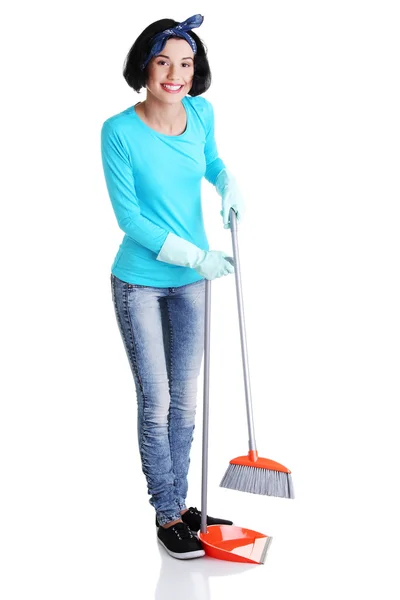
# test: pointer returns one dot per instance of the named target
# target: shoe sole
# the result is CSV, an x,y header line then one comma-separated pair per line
x,y
183,555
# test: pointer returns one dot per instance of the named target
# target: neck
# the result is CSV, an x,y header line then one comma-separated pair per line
x,y
161,114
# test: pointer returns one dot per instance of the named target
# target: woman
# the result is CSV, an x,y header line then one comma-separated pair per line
x,y
154,156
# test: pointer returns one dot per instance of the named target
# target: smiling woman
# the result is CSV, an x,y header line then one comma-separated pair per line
x,y
155,155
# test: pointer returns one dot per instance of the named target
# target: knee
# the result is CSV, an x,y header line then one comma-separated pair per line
x,y
155,418
184,410
155,412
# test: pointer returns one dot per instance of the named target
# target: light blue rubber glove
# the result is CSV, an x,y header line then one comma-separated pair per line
x,y
231,195
210,264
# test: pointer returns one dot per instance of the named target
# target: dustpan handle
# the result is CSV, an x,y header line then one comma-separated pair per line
x,y
206,398
239,295
206,368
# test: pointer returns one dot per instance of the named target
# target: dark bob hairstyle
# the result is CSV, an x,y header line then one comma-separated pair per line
x,y
136,78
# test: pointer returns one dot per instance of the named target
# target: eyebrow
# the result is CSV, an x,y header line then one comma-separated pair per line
x,y
184,58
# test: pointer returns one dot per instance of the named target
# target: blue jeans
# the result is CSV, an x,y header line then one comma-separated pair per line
x,y
163,334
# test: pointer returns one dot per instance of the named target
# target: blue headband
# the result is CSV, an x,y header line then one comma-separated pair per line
x,y
160,39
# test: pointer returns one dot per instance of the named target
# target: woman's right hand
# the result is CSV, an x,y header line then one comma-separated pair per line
x,y
215,265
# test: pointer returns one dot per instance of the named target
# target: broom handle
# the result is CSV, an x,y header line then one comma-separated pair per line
x,y
206,396
239,295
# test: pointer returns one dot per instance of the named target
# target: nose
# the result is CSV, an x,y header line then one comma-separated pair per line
x,y
172,72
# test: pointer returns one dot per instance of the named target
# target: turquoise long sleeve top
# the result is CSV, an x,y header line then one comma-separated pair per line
x,y
154,184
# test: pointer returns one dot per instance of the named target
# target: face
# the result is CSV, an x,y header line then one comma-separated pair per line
x,y
173,66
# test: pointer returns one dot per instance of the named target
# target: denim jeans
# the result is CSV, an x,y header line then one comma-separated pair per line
x,y
163,334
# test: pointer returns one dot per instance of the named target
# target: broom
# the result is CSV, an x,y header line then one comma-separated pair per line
x,y
250,473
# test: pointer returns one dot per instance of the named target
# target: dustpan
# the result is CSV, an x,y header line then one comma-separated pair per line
x,y
225,542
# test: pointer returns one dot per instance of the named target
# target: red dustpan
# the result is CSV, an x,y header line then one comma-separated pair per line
x,y
237,544
225,542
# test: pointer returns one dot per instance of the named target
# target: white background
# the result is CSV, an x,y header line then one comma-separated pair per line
x,y
306,99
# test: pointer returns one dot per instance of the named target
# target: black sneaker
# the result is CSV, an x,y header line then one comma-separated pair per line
x,y
180,542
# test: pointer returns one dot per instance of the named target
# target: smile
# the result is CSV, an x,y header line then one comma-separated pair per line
x,y
172,89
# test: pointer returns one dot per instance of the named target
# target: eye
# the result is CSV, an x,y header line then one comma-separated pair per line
x,y
160,62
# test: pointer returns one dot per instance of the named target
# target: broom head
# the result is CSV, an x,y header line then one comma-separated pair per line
x,y
258,476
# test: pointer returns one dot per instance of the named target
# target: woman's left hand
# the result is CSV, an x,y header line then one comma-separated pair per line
x,y
231,195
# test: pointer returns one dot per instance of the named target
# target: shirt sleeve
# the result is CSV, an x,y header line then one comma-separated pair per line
x,y
214,164
121,189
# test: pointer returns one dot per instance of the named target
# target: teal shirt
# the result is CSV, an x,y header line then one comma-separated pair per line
x,y
154,184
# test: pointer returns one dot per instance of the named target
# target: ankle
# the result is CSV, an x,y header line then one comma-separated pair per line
x,y
172,523
183,511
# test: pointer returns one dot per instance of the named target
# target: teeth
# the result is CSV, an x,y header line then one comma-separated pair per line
x,y
172,87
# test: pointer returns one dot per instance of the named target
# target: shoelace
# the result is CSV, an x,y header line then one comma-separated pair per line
x,y
182,532
195,511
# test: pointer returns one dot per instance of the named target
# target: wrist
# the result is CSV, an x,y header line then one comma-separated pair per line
x,y
221,181
178,251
